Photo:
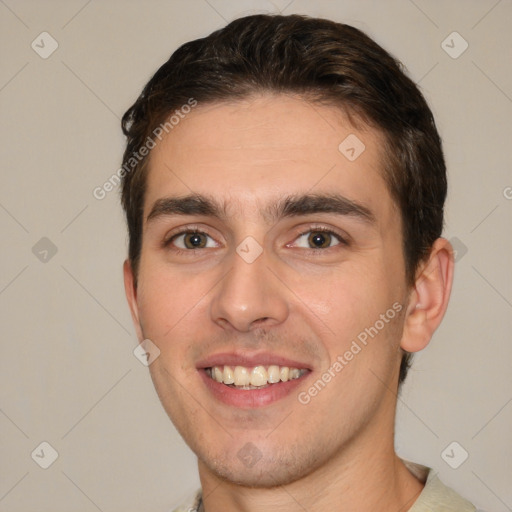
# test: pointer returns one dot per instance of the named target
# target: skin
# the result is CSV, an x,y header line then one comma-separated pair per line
x,y
308,304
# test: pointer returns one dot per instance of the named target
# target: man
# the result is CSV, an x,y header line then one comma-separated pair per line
x,y
284,185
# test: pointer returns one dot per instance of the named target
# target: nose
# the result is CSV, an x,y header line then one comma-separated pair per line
x,y
249,296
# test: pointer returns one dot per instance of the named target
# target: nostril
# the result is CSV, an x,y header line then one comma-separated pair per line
x,y
259,321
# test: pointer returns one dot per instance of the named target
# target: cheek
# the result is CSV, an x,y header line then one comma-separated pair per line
x,y
349,303
352,293
166,300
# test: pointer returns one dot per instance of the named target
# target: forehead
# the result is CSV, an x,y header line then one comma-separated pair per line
x,y
252,152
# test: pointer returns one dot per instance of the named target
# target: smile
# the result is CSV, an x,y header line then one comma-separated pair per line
x,y
257,377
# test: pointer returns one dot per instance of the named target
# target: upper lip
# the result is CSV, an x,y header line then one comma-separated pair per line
x,y
249,359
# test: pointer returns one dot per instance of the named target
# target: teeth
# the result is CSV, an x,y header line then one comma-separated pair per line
x,y
294,373
217,374
228,375
273,374
257,377
242,376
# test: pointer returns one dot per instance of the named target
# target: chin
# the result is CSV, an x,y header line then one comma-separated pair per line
x,y
266,472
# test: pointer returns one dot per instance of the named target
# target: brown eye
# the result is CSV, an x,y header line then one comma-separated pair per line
x,y
319,239
194,240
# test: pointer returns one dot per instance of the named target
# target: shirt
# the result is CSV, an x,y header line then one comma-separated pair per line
x,y
435,496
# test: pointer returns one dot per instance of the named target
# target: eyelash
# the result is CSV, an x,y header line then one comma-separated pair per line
x,y
195,230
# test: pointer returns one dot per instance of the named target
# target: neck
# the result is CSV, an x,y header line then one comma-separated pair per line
x,y
364,477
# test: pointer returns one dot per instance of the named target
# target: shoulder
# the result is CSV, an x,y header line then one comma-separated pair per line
x,y
189,505
437,497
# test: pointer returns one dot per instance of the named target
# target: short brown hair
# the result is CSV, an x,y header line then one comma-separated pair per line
x,y
322,61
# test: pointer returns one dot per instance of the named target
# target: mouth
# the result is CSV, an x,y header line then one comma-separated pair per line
x,y
248,381
257,377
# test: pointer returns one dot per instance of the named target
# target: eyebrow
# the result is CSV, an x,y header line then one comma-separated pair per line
x,y
193,204
323,203
290,206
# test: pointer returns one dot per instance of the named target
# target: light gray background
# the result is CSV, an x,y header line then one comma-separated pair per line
x,y
68,374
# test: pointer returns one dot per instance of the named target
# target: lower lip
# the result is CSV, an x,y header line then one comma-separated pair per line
x,y
251,398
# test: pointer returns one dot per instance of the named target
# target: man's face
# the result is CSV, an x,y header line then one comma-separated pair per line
x,y
323,262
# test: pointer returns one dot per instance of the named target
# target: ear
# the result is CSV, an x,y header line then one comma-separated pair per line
x,y
130,289
429,297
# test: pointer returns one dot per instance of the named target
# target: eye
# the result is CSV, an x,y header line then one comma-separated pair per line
x,y
192,240
317,239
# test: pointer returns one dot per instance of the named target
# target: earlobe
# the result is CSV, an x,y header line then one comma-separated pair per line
x,y
131,296
429,298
